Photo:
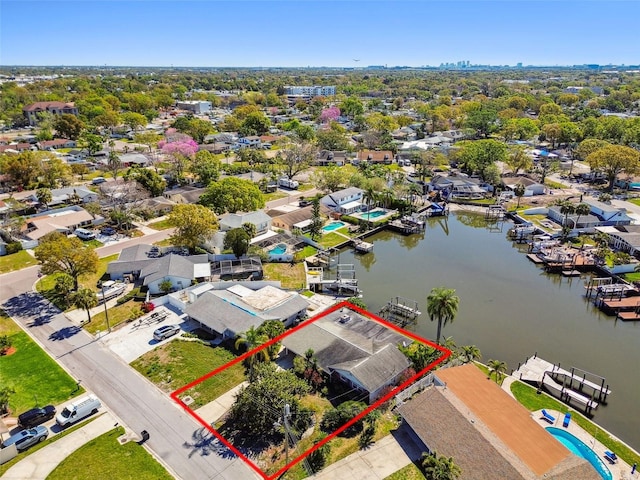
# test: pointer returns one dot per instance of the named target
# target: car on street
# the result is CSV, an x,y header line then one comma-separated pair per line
x,y
26,438
165,332
108,231
36,416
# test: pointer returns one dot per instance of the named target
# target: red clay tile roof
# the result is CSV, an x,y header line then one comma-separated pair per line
x,y
375,156
38,106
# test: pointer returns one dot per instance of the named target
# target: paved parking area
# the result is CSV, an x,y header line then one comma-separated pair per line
x,y
136,338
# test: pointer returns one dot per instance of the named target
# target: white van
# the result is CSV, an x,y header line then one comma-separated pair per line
x,y
78,409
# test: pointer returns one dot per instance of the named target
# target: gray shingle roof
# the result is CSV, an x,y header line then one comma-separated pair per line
x,y
221,315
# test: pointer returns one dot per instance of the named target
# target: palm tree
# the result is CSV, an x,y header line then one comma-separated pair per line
x,y
518,190
567,208
442,305
44,197
498,368
582,209
370,196
470,353
85,298
438,467
252,339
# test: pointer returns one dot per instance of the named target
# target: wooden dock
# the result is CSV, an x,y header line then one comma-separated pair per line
x,y
629,316
535,258
361,246
617,305
407,225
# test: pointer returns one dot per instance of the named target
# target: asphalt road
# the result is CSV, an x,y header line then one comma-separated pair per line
x,y
186,449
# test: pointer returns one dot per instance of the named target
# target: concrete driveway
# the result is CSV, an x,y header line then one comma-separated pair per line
x,y
136,338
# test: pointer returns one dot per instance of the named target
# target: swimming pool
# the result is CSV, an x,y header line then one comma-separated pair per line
x,y
278,249
373,214
333,226
577,447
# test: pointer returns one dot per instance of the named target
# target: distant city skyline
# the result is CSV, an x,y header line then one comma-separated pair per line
x,y
211,33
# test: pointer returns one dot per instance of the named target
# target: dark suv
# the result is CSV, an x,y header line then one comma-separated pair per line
x,y
36,416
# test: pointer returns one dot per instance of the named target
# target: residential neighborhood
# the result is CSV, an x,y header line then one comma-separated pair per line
x,y
254,273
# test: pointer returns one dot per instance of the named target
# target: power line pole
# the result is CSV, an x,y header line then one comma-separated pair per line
x,y
285,417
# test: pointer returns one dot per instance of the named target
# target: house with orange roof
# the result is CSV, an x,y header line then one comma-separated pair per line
x,y
55,108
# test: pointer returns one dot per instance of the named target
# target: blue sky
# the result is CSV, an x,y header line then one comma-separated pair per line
x,y
318,33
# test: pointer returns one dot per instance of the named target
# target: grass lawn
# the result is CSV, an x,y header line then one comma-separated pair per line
x,y
167,242
331,239
16,261
179,362
47,284
552,184
274,196
303,187
410,472
7,325
117,315
67,431
161,225
531,400
93,243
36,378
632,277
290,276
635,201
104,457
305,252
485,369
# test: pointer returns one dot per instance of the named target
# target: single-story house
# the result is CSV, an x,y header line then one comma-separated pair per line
x,y
185,194
573,221
63,220
375,156
353,348
152,267
486,431
157,205
134,159
609,214
531,187
259,218
17,147
346,201
327,157
68,195
56,143
457,186
235,310
300,218
625,238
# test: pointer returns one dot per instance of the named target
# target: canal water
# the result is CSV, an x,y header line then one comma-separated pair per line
x,y
509,307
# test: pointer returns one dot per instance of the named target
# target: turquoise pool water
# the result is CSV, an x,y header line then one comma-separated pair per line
x,y
373,214
333,226
279,249
577,447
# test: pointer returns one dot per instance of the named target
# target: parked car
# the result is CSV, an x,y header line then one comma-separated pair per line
x,y
98,180
84,234
304,203
26,438
165,332
36,416
108,231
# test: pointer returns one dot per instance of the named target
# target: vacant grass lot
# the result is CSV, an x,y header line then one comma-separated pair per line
x,y
531,400
180,362
36,378
16,261
332,239
117,315
161,225
104,457
290,276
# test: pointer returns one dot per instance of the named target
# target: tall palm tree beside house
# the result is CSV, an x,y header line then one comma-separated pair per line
x,y
582,209
85,298
437,467
44,197
442,305
566,208
370,196
519,190
497,368
252,339
470,353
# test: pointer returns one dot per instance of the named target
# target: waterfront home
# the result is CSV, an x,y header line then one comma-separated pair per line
x,y
625,238
586,222
258,218
609,214
300,218
231,311
486,431
345,201
354,349
458,186
531,187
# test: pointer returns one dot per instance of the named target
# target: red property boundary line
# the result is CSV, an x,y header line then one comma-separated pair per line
x,y
446,353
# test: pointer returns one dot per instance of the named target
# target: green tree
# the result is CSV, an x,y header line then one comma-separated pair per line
x,y
272,329
114,164
315,229
332,139
613,160
351,107
250,228
44,197
483,121
436,467
206,167
68,126
5,344
86,299
147,179
91,142
581,210
237,240
420,354
296,157
497,368
329,179
150,139
519,191
252,339
442,306
232,195
23,169
134,120
165,286
478,155
518,159
470,353
194,225
58,253
63,288
255,123
5,395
